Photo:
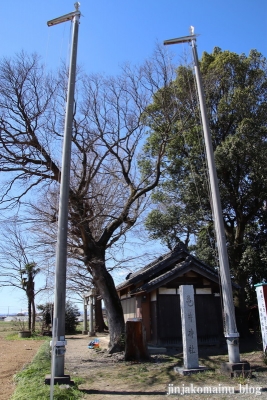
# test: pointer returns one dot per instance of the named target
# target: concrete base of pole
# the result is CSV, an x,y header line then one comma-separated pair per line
x,y
59,380
233,349
236,369
191,371
91,334
84,332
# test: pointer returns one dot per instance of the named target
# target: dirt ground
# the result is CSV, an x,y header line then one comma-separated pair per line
x,y
103,373
14,355
109,377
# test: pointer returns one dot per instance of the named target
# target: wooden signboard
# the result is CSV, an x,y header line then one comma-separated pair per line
x,y
261,290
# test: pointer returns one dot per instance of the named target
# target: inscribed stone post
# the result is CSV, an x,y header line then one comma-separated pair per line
x,y
189,330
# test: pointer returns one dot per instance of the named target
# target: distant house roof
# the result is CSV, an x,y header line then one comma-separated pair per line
x,y
166,268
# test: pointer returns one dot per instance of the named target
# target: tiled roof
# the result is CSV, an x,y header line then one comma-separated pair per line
x,y
166,268
177,270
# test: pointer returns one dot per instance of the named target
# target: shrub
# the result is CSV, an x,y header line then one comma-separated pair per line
x,y
71,316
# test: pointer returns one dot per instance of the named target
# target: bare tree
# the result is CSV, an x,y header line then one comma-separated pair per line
x,y
16,270
110,176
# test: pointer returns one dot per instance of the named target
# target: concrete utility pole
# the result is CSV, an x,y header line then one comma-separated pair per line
x,y
61,252
231,334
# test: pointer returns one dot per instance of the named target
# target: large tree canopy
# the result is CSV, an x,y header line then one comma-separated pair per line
x,y
236,96
107,190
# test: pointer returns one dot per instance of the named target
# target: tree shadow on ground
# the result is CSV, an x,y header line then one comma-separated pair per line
x,y
122,393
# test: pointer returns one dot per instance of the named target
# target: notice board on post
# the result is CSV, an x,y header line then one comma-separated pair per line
x,y
261,290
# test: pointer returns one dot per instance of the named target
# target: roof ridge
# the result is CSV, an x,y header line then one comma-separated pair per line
x,y
178,249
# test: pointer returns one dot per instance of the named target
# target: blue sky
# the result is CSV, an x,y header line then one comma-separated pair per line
x,y
113,32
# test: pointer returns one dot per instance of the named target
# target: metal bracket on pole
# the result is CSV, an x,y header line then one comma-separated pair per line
x,y
66,17
231,335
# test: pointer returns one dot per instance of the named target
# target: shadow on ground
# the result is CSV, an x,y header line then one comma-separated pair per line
x,y
122,393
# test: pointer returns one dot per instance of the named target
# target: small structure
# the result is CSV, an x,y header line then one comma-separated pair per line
x,y
153,295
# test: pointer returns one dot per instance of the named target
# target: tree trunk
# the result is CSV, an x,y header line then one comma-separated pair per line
x,y
241,308
31,305
241,279
33,315
29,314
106,288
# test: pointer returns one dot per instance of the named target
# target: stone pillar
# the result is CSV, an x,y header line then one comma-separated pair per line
x,y
92,329
85,322
189,330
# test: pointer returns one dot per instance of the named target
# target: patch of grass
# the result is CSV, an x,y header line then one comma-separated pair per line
x,y
7,328
9,331
144,374
35,336
31,380
13,336
143,369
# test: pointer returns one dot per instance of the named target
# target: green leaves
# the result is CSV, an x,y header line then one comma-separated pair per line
x,y
236,97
